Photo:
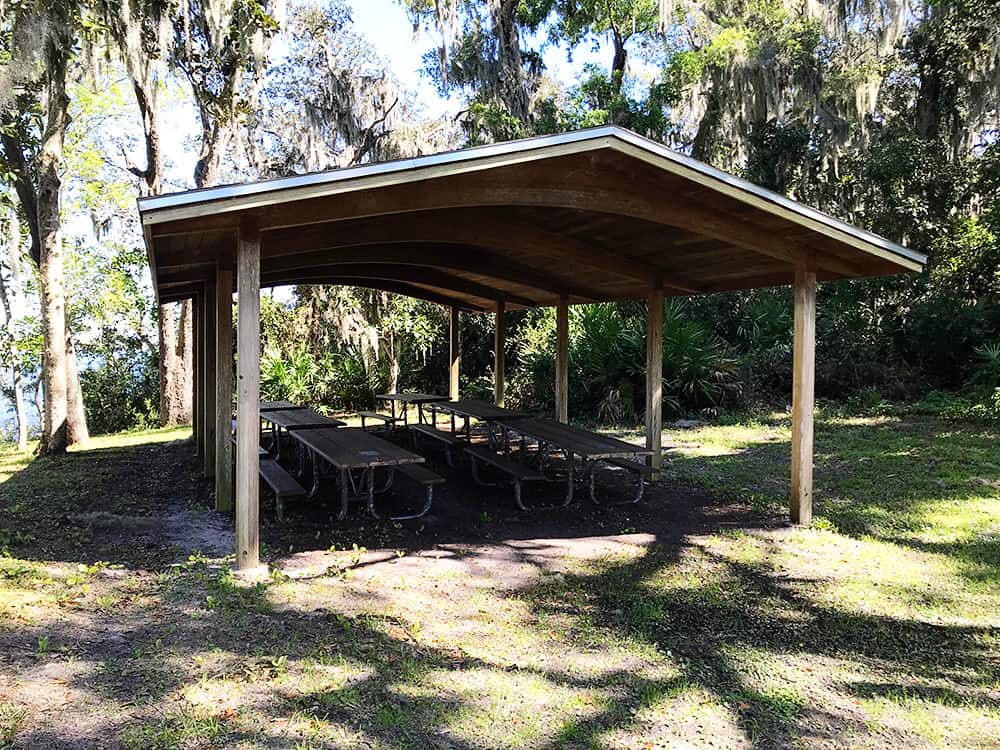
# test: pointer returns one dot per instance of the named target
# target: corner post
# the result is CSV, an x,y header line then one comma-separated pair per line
x,y
499,344
562,359
654,379
248,397
224,390
454,354
803,392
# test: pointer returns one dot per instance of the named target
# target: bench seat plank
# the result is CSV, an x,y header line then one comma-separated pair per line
x,y
420,474
624,463
434,432
517,471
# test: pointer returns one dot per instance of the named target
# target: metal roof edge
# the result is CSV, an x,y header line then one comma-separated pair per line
x,y
332,176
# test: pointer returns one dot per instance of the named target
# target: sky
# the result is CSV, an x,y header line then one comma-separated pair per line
x,y
385,25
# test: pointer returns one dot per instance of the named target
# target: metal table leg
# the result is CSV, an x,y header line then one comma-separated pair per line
x,y
345,479
315,466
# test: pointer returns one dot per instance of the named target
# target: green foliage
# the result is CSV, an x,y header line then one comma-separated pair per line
x,y
608,363
122,393
346,379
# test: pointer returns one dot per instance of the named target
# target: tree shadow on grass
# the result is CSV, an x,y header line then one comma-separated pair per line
x,y
717,638
874,480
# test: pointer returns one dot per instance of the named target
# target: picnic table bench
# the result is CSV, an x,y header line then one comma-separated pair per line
x,y
575,443
352,450
407,400
448,439
518,472
274,476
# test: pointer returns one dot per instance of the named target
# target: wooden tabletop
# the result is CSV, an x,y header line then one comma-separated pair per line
x,y
573,439
300,419
275,405
481,410
354,448
411,398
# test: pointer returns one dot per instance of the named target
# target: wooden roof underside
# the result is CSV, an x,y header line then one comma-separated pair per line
x,y
595,222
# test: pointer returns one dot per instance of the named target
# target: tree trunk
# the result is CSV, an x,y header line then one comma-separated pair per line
x,y
619,61
511,78
17,387
55,437
76,415
170,380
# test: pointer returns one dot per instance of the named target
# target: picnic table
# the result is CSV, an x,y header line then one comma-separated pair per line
x,y
350,450
276,405
408,399
470,409
575,442
295,419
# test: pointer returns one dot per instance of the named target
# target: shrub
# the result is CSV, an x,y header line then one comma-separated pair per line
x,y
121,393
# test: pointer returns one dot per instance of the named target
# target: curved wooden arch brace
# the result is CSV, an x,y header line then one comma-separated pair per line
x,y
482,228
441,256
582,186
430,277
394,287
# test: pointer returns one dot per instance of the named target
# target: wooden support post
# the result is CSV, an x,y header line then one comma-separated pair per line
x,y
248,397
209,361
562,360
654,379
803,388
224,391
197,426
455,355
499,344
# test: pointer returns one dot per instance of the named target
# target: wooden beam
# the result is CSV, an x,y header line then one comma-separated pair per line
x,y
499,345
210,360
248,398
562,360
428,277
803,388
454,354
224,391
395,287
197,405
462,258
654,379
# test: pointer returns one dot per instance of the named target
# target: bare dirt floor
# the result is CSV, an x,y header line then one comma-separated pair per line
x,y
696,618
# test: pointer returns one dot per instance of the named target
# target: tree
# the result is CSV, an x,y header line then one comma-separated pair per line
x,y
221,48
480,54
143,33
39,40
330,102
10,355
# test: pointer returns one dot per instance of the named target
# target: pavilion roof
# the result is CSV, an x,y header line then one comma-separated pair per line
x,y
593,215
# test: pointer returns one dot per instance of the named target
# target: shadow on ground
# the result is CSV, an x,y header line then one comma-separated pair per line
x,y
480,627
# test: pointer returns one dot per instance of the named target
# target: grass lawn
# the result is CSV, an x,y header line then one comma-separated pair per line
x,y
696,620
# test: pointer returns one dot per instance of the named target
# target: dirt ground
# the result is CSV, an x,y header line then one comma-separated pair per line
x,y
689,620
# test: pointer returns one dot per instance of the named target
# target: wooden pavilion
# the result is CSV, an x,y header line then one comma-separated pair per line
x,y
594,215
